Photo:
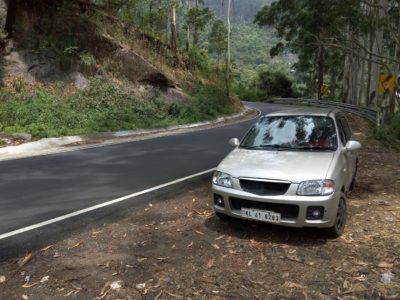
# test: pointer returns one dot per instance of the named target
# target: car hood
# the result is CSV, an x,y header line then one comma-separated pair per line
x,y
293,166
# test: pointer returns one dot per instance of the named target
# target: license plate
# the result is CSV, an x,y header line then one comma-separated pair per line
x,y
261,215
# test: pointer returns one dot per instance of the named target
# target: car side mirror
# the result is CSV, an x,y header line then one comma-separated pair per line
x,y
353,146
234,142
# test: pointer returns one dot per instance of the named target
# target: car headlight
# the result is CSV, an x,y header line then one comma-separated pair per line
x,y
222,179
316,188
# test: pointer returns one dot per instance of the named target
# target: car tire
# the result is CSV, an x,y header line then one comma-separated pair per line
x,y
340,221
222,216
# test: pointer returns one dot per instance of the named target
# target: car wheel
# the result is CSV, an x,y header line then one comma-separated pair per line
x,y
222,216
340,222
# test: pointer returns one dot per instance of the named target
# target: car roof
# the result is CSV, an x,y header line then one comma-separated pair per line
x,y
305,111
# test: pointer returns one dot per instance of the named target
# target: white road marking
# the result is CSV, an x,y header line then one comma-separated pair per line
x,y
95,207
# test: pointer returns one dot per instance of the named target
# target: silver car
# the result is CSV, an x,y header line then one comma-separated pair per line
x,y
292,168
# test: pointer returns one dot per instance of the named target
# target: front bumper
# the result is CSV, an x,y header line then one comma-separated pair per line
x,y
293,208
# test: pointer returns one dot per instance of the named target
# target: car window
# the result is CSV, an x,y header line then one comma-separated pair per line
x,y
341,133
346,128
292,132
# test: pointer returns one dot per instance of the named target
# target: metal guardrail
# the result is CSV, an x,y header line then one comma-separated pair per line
x,y
365,112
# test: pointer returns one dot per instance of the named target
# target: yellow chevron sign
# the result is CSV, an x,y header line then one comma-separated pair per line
x,y
387,83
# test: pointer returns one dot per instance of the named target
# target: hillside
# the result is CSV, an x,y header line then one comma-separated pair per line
x,y
72,67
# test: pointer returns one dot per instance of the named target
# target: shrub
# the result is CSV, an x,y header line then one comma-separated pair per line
x,y
389,133
198,59
87,63
275,84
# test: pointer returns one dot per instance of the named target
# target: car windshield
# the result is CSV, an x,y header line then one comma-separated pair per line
x,y
292,133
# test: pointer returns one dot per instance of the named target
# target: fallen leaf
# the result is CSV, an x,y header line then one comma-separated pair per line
x,y
199,232
361,278
385,265
46,248
75,246
44,279
141,286
357,288
162,258
27,285
220,237
116,285
361,263
2,279
141,259
232,251
105,288
69,294
210,264
216,246
190,245
289,284
115,274
25,297
25,260
250,263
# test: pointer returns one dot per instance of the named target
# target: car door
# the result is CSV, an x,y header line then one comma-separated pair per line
x,y
350,158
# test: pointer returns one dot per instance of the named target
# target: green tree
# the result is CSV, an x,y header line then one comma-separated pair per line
x,y
196,20
307,25
218,39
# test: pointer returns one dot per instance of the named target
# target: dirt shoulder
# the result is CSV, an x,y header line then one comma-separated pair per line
x,y
178,249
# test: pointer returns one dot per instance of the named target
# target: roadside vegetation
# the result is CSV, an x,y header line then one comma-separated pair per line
x,y
103,107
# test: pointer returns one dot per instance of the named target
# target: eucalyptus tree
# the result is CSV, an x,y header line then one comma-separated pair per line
x,y
306,26
196,19
218,39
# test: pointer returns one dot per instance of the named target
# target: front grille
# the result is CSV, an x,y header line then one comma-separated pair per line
x,y
264,188
287,211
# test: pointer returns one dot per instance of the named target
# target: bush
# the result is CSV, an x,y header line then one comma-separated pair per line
x,y
198,59
211,101
87,63
389,133
250,93
275,84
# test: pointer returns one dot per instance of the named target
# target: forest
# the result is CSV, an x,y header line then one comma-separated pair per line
x,y
344,50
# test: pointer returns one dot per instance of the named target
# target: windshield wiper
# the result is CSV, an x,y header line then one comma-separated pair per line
x,y
318,148
267,146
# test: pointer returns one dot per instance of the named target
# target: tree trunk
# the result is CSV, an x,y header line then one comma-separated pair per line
x,y
195,29
228,56
346,78
174,35
377,49
11,16
321,67
369,99
333,83
3,13
187,44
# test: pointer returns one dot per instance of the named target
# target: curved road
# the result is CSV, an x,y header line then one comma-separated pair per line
x,y
37,189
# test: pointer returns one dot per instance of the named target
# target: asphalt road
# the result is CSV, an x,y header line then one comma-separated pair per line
x,y
37,189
